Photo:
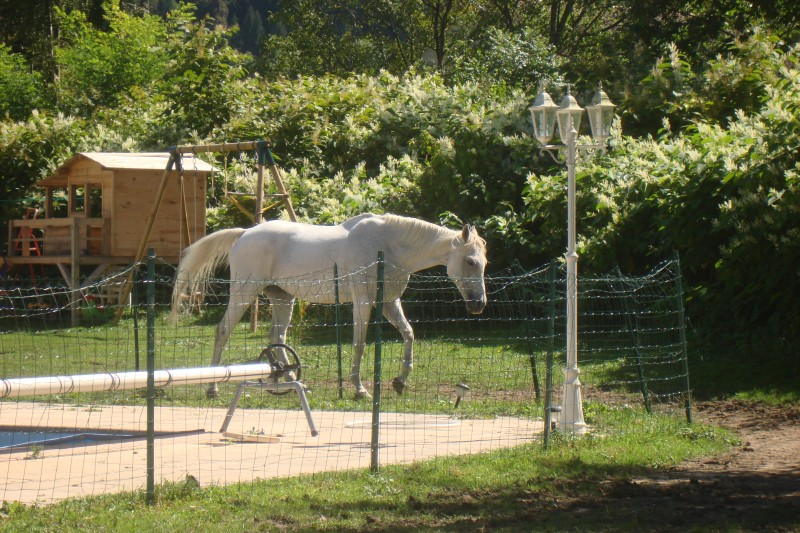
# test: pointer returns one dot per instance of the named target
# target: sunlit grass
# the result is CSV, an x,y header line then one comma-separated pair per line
x,y
499,372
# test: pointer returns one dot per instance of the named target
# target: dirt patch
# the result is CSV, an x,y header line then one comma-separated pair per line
x,y
754,487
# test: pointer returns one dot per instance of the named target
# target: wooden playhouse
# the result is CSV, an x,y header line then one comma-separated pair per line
x,y
95,212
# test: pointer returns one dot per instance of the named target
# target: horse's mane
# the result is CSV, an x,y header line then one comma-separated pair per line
x,y
417,230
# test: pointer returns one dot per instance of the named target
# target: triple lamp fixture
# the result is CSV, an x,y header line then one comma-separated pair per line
x,y
544,114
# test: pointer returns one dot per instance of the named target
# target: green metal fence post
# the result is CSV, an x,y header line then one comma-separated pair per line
x,y
135,309
376,388
682,331
338,333
548,375
151,368
633,333
531,352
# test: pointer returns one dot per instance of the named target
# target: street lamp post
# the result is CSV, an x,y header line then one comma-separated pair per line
x,y
545,114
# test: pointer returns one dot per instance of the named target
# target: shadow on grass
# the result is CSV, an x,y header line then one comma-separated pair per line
x,y
596,501
726,373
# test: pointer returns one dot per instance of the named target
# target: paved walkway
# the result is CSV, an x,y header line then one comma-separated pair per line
x,y
189,443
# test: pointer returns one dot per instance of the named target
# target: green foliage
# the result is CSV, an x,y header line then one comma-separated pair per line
x,y
734,81
200,79
394,189
319,42
29,150
503,58
317,37
446,148
98,67
724,194
21,91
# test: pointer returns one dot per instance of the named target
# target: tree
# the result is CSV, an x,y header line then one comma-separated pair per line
x,y
501,58
200,78
98,67
438,15
315,37
31,28
251,31
21,90
165,6
571,23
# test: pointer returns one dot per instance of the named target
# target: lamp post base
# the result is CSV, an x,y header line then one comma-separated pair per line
x,y
571,416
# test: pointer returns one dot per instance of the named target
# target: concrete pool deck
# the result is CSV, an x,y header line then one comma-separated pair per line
x,y
189,443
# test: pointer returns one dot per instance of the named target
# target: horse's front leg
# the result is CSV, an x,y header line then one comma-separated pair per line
x,y
282,305
360,323
393,312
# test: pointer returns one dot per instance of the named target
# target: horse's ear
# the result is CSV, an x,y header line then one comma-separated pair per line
x,y
466,231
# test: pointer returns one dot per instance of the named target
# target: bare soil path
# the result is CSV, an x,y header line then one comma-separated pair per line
x,y
754,487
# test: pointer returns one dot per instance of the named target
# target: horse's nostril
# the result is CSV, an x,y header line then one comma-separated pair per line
x,y
476,306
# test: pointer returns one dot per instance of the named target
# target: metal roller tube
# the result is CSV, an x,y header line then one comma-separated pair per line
x,y
111,381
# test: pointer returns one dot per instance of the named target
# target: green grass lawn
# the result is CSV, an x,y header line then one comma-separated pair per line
x,y
498,370
503,362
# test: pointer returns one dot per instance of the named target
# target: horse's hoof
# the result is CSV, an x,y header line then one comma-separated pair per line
x,y
211,393
362,395
398,385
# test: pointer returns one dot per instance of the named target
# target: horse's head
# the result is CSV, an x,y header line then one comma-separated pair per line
x,y
465,266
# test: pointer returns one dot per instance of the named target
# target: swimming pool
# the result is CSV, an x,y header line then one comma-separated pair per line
x,y
13,438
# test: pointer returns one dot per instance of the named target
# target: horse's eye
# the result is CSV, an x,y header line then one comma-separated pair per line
x,y
471,262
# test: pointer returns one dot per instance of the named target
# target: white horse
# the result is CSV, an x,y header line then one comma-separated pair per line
x,y
288,260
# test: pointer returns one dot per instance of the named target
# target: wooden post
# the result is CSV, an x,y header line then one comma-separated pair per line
x,y
257,218
48,202
106,236
276,177
223,147
257,215
184,216
75,274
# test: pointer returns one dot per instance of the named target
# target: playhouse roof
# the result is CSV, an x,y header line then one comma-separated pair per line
x,y
123,161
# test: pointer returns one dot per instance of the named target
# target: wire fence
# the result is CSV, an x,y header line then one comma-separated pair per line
x,y
479,382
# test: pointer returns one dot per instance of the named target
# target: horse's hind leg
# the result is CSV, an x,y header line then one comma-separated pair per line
x,y
393,312
242,294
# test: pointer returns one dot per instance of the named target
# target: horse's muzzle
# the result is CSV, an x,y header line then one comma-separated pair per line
x,y
476,305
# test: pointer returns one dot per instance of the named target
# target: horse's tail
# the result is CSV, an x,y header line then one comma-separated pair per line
x,y
199,261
